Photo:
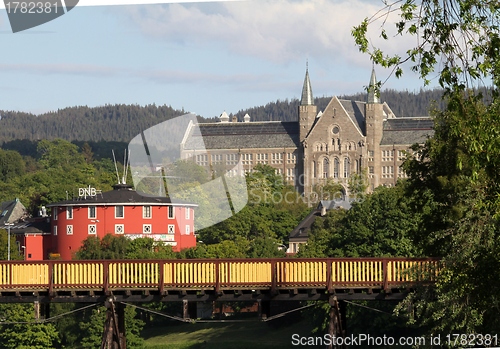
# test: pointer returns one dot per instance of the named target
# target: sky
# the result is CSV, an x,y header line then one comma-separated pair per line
x,y
203,57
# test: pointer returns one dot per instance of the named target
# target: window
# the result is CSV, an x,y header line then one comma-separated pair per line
x,y
401,155
92,229
387,171
54,213
146,228
146,211
171,229
232,159
336,168
202,160
188,230
247,159
187,213
119,229
291,158
92,212
171,212
371,170
326,166
347,168
216,158
55,230
69,230
314,169
69,212
277,158
119,213
387,155
262,158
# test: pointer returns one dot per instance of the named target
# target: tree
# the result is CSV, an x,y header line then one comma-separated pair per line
x,y
92,329
14,250
22,332
460,38
11,165
453,179
382,225
121,247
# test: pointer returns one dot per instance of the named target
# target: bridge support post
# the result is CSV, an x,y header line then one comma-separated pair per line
x,y
264,309
335,328
113,336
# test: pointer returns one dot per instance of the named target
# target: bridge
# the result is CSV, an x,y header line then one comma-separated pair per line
x,y
214,279
116,282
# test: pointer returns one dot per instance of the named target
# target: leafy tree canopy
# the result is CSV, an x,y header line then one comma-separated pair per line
x,y
458,38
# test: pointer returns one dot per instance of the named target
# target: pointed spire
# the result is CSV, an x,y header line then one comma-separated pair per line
x,y
373,94
307,95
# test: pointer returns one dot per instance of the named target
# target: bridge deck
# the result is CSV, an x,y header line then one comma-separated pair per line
x,y
213,279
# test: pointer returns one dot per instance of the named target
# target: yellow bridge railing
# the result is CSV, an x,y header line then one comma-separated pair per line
x,y
218,274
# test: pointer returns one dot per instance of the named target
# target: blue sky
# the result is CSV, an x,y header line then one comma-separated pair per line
x,y
204,57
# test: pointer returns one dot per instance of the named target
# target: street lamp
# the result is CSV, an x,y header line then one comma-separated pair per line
x,y
8,239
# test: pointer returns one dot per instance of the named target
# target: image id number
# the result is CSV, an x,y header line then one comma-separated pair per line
x,y
30,7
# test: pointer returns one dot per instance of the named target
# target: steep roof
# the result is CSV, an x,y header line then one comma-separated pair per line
x,y
307,95
356,111
12,211
301,231
38,225
236,135
373,97
407,131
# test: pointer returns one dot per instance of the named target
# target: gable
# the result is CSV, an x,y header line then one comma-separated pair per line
x,y
347,116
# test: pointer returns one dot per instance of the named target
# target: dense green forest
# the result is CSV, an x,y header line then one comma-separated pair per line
x,y
117,123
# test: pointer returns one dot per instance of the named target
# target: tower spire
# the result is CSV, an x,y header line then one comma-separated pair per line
x,y
307,95
373,93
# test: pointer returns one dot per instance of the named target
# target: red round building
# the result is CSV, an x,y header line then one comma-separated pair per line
x,y
122,211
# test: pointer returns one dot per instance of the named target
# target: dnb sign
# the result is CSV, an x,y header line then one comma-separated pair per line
x,y
84,192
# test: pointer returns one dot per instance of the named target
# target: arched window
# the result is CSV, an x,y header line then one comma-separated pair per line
x,y
336,169
347,167
325,168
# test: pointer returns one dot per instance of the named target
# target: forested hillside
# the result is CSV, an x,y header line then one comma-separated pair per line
x,y
402,103
120,123
106,123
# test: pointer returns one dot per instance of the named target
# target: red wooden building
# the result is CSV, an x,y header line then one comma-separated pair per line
x,y
122,211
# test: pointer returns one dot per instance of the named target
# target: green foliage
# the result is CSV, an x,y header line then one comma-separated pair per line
x,y
92,329
14,250
23,332
121,247
273,211
461,35
454,182
11,165
328,190
381,225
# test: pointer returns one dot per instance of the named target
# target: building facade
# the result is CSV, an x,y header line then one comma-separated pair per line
x,y
122,211
346,138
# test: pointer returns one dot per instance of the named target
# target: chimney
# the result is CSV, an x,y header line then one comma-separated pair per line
x,y
235,119
246,118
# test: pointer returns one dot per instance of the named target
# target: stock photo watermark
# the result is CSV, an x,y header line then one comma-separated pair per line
x,y
29,14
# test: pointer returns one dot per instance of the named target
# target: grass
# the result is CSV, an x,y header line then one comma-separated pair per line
x,y
216,335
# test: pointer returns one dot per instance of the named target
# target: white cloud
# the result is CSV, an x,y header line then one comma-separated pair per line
x,y
280,31
64,69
